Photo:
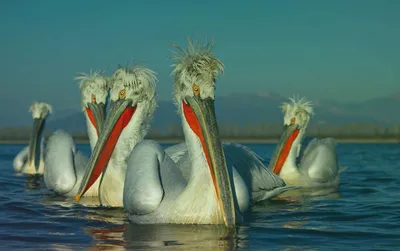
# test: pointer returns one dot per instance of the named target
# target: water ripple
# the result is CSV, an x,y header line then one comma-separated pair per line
x,y
363,215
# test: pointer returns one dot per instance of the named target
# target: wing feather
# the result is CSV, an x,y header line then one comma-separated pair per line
x,y
20,159
249,165
319,160
264,184
59,175
176,152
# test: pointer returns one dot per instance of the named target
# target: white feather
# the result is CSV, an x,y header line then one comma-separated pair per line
x,y
40,109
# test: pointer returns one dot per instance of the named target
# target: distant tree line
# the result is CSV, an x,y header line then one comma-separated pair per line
x,y
232,132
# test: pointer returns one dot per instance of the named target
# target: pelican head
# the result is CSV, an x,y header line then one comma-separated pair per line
x,y
297,114
94,92
196,70
133,101
39,111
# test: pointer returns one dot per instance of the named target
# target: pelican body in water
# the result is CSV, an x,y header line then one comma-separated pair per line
x,y
261,181
318,166
30,159
132,104
155,191
65,165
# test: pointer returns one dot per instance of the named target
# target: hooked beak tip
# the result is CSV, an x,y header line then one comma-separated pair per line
x,y
77,198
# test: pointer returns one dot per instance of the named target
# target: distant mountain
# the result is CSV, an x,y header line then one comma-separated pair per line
x,y
385,109
256,108
74,122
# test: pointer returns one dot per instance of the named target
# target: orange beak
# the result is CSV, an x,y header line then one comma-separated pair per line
x,y
120,115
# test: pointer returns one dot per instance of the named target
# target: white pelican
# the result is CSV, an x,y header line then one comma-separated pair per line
x,y
318,166
133,101
263,182
155,191
30,159
65,165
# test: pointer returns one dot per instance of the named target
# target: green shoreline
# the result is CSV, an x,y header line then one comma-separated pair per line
x,y
240,140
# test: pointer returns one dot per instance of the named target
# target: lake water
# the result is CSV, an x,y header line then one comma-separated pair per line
x,y
363,215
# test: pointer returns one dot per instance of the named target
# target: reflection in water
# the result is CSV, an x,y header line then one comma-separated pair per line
x,y
208,237
306,192
33,181
180,237
111,230
107,238
298,211
53,199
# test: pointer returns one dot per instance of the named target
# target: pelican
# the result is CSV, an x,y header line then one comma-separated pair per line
x,y
262,182
318,166
65,165
133,102
30,159
155,190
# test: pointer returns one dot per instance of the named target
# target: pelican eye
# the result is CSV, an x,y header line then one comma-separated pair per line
x,y
122,93
93,98
196,89
293,121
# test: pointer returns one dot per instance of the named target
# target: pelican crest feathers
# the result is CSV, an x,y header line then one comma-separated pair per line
x,y
143,83
299,104
95,77
197,64
40,109
93,82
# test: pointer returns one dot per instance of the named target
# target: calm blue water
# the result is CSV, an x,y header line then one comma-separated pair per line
x,y
363,215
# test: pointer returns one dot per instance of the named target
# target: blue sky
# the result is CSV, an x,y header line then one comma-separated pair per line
x,y
340,50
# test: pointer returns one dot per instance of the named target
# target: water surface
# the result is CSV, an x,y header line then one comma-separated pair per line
x,y
364,214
